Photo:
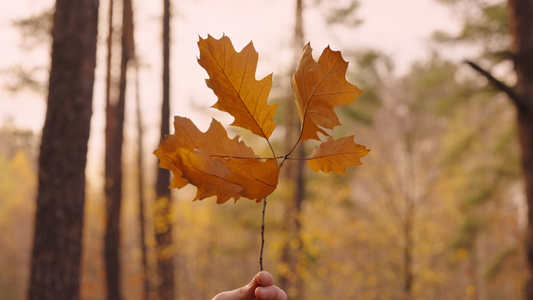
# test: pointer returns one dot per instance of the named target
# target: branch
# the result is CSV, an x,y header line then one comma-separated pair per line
x,y
262,235
497,83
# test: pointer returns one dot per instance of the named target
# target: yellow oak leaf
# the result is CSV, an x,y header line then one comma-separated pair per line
x,y
320,87
336,155
232,79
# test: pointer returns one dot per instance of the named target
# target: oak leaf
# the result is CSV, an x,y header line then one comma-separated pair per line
x,y
320,87
232,79
215,164
336,155
226,167
210,175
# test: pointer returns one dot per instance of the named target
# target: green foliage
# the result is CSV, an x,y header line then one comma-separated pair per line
x,y
485,25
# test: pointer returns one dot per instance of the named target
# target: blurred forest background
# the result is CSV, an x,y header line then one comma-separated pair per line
x,y
437,211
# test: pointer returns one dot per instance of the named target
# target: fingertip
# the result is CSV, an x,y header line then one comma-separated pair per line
x,y
271,293
261,293
264,278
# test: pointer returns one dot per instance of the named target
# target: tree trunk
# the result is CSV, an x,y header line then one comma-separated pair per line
x,y
113,162
525,130
140,191
110,257
140,183
521,21
56,253
291,257
408,252
163,228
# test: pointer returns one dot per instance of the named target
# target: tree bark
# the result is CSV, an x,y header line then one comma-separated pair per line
x,y
56,253
113,162
521,23
163,228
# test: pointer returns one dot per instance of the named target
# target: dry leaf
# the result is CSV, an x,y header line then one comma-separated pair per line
x,y
215,164
209,175
228,168
336,155
214,141
232,79
320,87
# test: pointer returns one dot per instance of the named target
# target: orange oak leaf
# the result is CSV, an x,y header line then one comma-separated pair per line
x,y
228,178
214,141
215,164
210,176
257,177
336,155
320,87
232,79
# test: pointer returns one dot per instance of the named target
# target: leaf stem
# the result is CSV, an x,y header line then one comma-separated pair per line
x,y
290,152
262,235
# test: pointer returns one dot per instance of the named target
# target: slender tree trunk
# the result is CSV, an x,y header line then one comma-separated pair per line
x,y
163,228
525,130
113,162
109,44
408,222
408,252
56,253
291,257
521,20
140,183
111,262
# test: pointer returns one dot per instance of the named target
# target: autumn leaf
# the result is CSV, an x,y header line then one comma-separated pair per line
x,y
209,175
214,141
226,167
232,79
320,87
336,155
215,164
257,177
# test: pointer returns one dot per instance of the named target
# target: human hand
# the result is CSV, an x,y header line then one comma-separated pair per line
x,y
262,288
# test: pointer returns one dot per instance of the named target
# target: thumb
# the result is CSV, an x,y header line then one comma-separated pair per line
x,y
246,292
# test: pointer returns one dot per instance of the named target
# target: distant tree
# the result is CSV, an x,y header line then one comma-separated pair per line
x,y
140,184
56,253
291,280
115,109
506,35
163,222
36,35
140,171
521,24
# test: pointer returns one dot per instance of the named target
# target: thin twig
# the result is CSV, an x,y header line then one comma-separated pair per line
x,y
262,235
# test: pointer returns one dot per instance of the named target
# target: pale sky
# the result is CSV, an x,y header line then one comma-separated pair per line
x,y
399,28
